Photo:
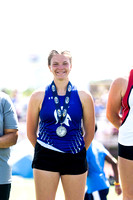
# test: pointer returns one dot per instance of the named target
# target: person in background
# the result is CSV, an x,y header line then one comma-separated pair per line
x,y
8,137
120,113
97,182
60,147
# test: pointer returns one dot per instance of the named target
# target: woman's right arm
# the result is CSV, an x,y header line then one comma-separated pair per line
x,y
111,160
33,116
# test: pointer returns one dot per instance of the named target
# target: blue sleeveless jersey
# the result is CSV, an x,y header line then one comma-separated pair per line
x,y
73,141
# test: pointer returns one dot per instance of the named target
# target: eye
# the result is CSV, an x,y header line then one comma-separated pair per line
x,y
65,63
55,64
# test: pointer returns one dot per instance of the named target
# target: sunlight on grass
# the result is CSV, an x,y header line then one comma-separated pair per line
x,y
22,189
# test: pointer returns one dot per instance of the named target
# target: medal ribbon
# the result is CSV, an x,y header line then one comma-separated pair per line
x,y
61,114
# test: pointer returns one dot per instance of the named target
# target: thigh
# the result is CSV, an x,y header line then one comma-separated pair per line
x,y
5,191
74,186
126,176
46,183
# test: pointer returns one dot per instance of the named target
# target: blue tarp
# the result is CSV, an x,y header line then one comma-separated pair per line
x,y
23,167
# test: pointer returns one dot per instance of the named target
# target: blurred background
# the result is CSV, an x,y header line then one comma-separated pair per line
x,y
98,34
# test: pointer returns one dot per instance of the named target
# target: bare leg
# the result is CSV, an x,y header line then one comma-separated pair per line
x,y
46,184
126,175
74,186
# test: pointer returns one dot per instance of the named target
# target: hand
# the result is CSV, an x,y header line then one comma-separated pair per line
x,y
118,189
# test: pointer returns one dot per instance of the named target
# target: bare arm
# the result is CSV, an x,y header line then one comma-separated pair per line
x,y
116,93
33,116
9,138
88,117
110,159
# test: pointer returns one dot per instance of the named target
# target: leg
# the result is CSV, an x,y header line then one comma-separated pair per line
x,y
5,191
88,197
126,175
103,194
46,183
74,186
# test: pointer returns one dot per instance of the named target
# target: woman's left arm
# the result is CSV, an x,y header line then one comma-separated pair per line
x,y
88,117
9,138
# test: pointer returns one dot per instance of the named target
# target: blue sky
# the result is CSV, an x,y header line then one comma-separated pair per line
x,y
98,33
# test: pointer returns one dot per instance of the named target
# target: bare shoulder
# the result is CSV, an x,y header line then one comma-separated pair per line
x,y
37,97
120,81
120,84
85,96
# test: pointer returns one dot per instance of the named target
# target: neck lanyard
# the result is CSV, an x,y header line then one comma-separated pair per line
x,y
61,114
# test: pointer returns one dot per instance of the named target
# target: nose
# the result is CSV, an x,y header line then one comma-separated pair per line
x,y
60,66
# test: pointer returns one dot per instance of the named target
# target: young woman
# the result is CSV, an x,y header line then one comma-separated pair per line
x,y
120,113
60,146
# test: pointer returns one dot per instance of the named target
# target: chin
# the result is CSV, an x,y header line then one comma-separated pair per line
x,y
61,77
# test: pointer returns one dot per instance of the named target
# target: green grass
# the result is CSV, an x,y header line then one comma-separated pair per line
x,y
23,189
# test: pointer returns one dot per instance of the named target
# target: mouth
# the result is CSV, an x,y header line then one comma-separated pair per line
x,y
60,72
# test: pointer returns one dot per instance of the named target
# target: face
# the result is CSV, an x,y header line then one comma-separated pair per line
x,y
60,66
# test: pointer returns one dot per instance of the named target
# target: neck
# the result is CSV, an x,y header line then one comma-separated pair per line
x,y
61,86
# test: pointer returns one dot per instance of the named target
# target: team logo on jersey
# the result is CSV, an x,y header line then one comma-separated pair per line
x,y
67,119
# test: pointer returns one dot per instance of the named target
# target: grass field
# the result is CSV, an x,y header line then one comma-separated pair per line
x,y
23,189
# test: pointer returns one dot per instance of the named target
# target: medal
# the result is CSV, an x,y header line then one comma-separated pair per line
x,y
61,131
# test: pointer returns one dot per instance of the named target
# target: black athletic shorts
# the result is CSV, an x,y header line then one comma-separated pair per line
x,y
64,163
125,151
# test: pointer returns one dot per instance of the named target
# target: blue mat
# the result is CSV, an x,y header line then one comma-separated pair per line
x,y
23,167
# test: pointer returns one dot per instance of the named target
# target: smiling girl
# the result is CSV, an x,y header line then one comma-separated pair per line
x,y
60,146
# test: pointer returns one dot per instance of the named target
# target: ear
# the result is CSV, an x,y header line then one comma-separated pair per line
x,y
49,66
